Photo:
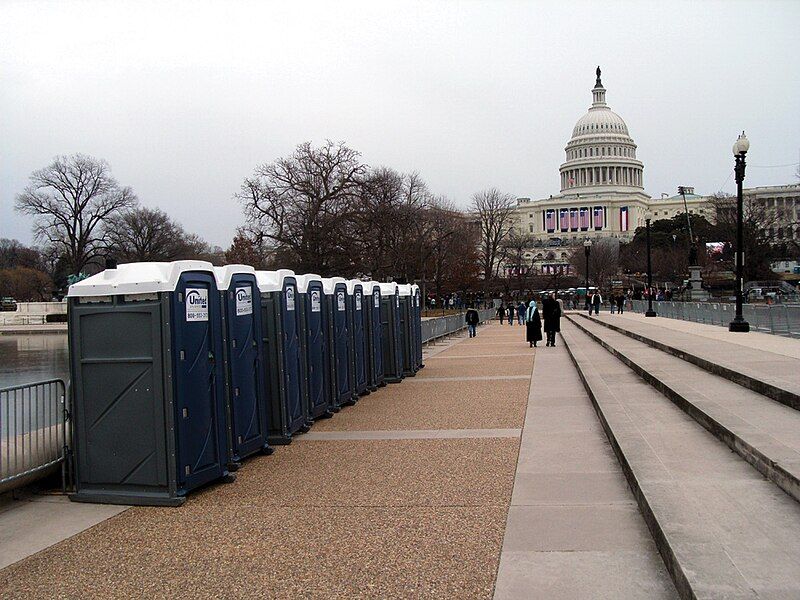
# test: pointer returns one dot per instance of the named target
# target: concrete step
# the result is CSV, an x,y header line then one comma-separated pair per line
x,y
763,432
772,374
722,529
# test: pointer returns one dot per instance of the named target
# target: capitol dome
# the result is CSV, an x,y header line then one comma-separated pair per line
x,y
601,155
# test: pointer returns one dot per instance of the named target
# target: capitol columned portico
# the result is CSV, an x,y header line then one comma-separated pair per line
x,y
602,189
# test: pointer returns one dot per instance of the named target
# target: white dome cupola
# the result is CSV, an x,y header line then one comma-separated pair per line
x,y
601,155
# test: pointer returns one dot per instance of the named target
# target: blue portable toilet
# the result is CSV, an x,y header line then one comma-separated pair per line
x,y
314,345
416,296
390,333
340,347
373,334
358,304
284,370
407,331
245,396
148,384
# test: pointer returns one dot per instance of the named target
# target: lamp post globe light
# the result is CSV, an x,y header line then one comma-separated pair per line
x,y
648,216
740,148
587,250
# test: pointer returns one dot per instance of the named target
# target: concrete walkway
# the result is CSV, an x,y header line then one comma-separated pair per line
x,y
404,495
574,529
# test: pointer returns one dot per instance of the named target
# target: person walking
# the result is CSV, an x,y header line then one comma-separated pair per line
x,y
620,303
521,310
597,300
501,313
533,322
472,320
510,313
551,311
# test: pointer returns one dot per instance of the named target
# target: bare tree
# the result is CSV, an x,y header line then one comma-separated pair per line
x,y
147,234
302,204
25,284
494,210
448,247
249,248
15,254
388,229
70,200
764,230
515,246
603,262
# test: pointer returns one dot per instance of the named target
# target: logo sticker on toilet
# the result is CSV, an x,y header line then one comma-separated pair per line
x,y
340,301
358,300
290,298
196,304
315,304
244,301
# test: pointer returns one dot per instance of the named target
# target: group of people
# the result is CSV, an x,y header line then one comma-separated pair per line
x,y
550,317
528,315
512,312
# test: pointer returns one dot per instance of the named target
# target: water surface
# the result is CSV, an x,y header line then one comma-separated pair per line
x,y
33,357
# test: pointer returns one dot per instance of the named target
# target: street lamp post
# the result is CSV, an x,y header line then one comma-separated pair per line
x,y
587,249
650,312
740,148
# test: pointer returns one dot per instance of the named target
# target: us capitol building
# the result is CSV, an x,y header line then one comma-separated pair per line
x,y
602,191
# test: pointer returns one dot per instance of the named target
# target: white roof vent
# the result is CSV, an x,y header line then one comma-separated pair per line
x,y
137,278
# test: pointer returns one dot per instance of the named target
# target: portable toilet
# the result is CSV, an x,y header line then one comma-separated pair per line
x,y
355,291
283,365
417,320
245,396
390,333
314,345
407,330
373,334
145,349
340,347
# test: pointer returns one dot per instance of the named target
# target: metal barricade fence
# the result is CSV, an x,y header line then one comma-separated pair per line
x,y
33,431
441,326
777,319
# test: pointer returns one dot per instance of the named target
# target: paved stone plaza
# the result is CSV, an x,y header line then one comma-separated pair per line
x,y
623,463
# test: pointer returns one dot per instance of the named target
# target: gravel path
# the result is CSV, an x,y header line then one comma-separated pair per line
x,y
387,518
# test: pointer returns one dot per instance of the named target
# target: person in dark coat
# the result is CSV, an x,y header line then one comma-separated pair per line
x,y
472,318
533,322
597,300
501,312
551,311
620,303
510,313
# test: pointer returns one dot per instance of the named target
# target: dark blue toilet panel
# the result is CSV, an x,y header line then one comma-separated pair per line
x,y
358,339
377,333
317,347
291,352
198,380
341,345
243,313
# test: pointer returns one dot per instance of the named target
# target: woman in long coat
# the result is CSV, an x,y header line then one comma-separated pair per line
x,y
552,318
533,323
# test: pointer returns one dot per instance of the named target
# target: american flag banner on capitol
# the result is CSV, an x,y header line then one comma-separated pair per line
x,y
598,217
550,220
623,218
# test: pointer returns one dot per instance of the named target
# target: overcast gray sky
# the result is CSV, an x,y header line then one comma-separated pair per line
x,y
185,99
